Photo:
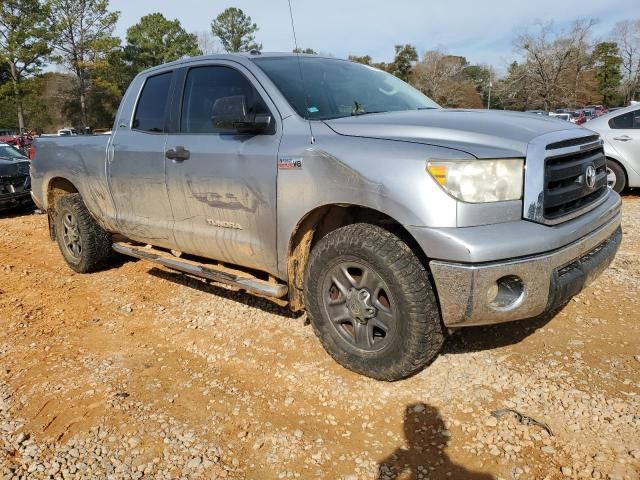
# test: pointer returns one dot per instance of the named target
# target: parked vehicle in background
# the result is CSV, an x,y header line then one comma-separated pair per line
x,y
67,132
560,116
386,217
598,110
578,117
620,131
15,182
537,112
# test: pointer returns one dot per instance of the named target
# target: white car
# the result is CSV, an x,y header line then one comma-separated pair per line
x,y
620,131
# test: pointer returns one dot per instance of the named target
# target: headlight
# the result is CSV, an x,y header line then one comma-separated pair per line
x,y
479,181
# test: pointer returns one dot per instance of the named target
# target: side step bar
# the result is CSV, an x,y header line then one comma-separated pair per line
x,y
217,273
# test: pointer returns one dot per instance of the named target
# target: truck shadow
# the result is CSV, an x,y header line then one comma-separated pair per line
x,y
473,339
424,453
468,339
237,296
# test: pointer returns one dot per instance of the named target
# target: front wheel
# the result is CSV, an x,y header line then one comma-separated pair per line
x,y
371,303
85,246
616,177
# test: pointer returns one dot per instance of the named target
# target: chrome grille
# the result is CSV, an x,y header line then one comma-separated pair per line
x,y
567,187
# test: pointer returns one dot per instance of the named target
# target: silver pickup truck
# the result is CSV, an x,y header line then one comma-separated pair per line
x,y
342,190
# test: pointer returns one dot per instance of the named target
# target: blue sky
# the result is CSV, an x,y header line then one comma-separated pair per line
x,y
481,30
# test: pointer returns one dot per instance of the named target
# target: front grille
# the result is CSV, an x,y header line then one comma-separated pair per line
x,y
14,184
572,142
566,187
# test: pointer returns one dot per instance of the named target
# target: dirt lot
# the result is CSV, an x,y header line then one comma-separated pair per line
x,y
136,371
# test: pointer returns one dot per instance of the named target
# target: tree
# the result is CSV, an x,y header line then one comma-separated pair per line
x,y
305,51
154,40
236,31
555,62
24,38
365,60
441,77
607,62
627,36
402,64
482,77
207,43
84,38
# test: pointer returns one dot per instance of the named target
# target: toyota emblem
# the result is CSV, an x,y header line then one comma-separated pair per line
x,y
590,176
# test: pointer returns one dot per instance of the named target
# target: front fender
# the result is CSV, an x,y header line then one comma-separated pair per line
x,y
384,175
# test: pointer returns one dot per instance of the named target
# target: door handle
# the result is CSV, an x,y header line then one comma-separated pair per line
x,y
623,138
179,154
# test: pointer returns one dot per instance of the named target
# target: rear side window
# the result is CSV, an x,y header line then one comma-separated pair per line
x,y
152,105
629,120
205,85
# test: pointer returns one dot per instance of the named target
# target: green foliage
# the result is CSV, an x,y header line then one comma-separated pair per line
x,y
154,40
607,61
236,31
305,51
402,65
24,44
366,59
83,39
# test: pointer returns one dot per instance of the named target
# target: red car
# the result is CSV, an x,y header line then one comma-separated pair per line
x,y
578,117
598,109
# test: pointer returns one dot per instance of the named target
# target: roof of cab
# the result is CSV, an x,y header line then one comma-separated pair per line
x,y
226,56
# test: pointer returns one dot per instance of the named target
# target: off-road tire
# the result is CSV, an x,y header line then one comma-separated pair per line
x,y
621,176
419,334
95,241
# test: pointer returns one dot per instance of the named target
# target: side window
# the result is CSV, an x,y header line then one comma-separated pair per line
x,y
629,120
151,109
205,85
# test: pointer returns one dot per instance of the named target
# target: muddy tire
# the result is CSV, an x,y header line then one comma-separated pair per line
x,y
616,176
371,303
85,246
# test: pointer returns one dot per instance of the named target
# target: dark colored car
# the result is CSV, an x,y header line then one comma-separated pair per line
x,y
15,183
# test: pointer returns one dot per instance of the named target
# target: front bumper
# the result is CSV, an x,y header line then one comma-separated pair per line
x,y
502,291
15,200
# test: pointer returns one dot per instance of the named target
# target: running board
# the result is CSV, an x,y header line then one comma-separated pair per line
x,y
217,273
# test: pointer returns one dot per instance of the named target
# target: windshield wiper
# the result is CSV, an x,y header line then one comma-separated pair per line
x,y
357,114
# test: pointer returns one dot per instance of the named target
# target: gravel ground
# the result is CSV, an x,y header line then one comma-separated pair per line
x,y
138,372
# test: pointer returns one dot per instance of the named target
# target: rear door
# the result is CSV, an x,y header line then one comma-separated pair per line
x,y
136,163
222,186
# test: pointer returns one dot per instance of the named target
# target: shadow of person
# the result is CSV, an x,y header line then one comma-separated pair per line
x,y
424,456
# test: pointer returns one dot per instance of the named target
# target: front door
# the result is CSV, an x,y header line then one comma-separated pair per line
x,y
136,164
222,183
624,136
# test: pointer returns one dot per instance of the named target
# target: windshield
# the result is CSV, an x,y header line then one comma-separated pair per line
x,y
338,88
7,151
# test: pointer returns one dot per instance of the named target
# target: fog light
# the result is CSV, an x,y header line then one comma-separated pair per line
x,y
507,293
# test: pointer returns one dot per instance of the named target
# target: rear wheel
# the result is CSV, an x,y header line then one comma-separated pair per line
x,y
371,304
85,245
616,177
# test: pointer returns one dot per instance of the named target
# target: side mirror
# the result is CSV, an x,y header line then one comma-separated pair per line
x,y
232,113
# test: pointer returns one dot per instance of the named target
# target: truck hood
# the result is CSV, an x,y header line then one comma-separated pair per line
x,y
482,133
10,167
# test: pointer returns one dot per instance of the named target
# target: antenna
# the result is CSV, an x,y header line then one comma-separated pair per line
x,y
304,93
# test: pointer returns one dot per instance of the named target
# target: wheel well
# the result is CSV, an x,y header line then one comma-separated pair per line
x,y
323,220
58,187
610,159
